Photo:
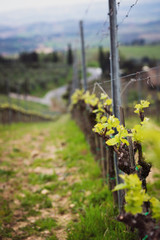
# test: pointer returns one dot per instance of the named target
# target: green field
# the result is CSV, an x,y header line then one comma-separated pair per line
x,y
38,78
28,105
149,51
127,52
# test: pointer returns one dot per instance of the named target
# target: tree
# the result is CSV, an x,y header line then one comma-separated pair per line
x,y
34,57
69,55
25,86
131,65
28,57
104,61
55,57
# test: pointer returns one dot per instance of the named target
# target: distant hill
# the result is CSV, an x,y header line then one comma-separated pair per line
x,y
55,27
58,34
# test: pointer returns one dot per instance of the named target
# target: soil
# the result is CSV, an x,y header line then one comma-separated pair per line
x,y
12,191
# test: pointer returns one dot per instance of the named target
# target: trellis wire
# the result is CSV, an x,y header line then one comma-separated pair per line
x,y
128,12
132,80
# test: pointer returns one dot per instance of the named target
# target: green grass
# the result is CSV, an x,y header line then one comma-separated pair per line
x,y
30,200
90,197
141,51
5,212
31,203
90,201
6,217
127,52
52,186
45,224
38,162
35,178
93,64
53,237
18,153
154,187
6,174
99,223
32,106
16,131
37,228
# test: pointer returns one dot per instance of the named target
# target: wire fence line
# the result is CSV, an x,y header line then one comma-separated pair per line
x,y
88,9
102,32
128,13
129,80
134,74
134,87
99,86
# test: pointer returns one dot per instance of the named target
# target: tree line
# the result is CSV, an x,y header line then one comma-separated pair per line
x,y
33,57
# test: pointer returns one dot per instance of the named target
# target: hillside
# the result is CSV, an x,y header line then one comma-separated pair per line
x,y
56,26
58,34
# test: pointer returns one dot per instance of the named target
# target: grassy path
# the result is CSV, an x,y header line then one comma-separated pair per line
x,y
51,187
30,172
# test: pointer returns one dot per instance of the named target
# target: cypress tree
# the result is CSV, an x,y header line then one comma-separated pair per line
x,y
55,57
104,61
69,55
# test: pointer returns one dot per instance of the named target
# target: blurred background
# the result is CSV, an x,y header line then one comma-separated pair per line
x,y
40,50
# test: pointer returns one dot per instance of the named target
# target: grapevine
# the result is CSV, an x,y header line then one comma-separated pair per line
x,y
141,211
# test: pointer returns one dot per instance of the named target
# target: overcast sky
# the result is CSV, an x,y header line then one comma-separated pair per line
x,y
32,11
9,5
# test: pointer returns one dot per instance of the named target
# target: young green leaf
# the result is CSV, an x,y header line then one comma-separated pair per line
x,y
139,107
104,96
135,195
155,204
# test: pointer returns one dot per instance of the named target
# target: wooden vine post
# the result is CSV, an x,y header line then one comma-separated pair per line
x,y
115,80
